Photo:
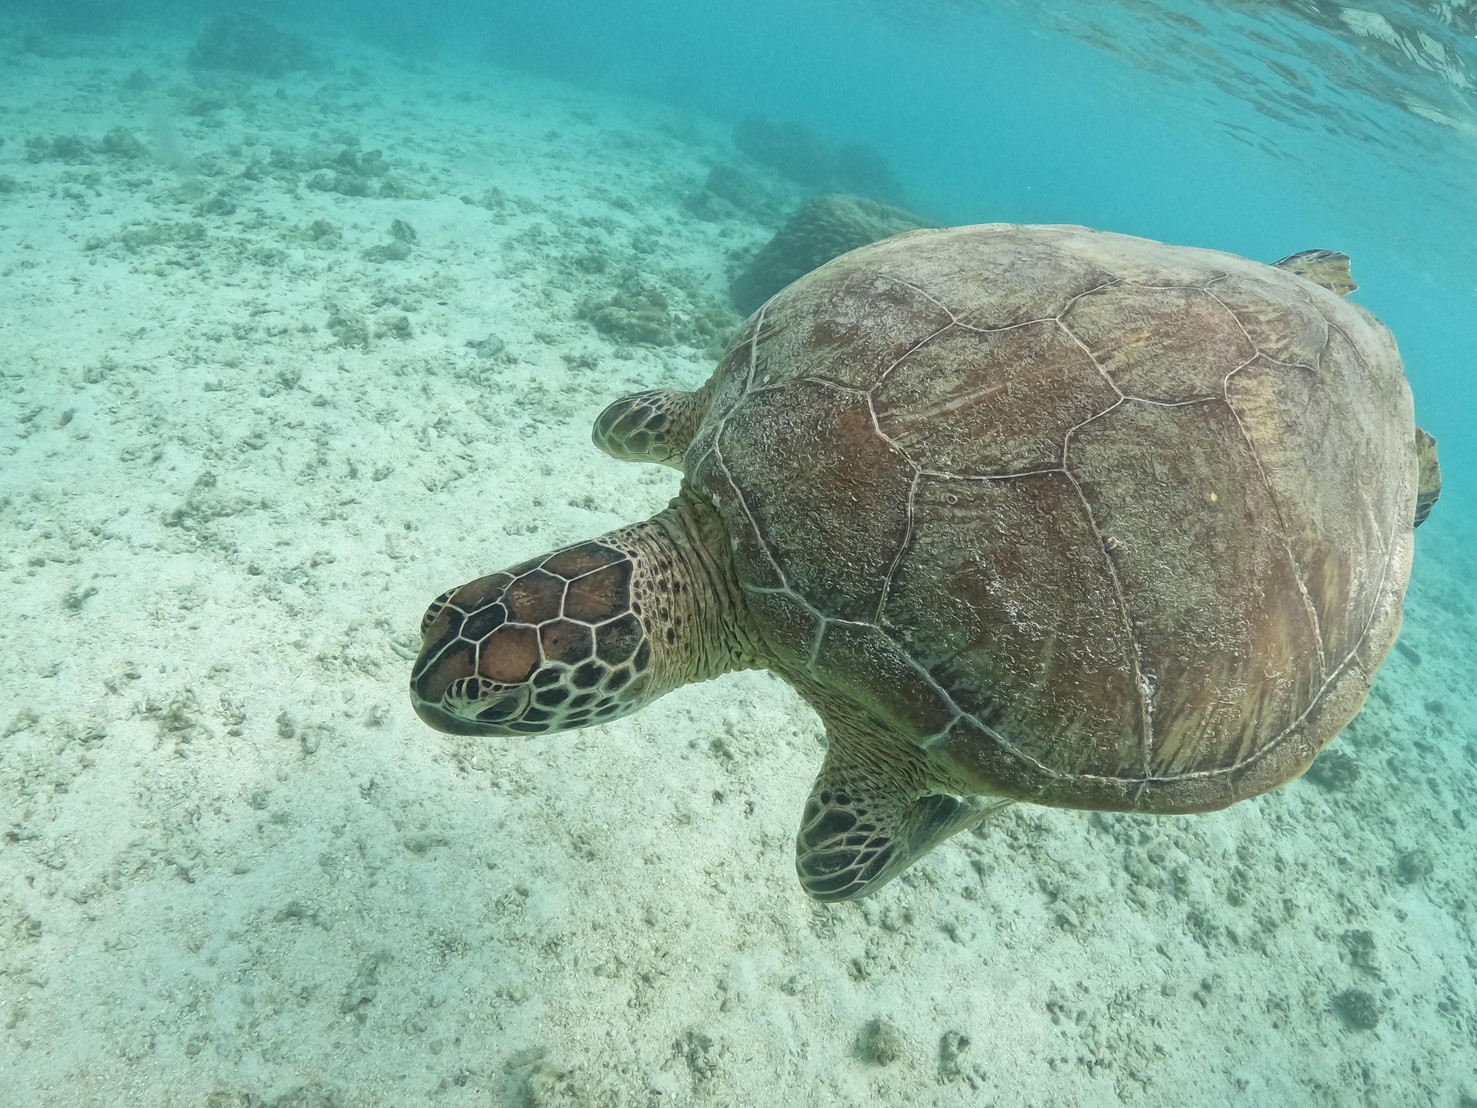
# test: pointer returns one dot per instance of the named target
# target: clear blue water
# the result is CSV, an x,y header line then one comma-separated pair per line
x,y
237,872
993,112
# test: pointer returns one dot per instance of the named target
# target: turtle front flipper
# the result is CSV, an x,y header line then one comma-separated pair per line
x,y
865,823
1328,268
653,426
1428,484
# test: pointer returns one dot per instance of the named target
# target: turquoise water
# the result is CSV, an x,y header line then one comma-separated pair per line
x,y
299,331
990,112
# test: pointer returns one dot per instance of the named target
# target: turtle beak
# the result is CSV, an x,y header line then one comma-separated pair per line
x,y
491,715
438,717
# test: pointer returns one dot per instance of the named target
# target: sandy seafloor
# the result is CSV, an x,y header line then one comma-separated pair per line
x,y
236,869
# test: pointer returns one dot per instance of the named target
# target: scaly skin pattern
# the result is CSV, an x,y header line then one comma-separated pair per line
x,y
654,426
585,634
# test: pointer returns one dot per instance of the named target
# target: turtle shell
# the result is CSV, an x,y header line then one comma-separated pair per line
x,y
1095,521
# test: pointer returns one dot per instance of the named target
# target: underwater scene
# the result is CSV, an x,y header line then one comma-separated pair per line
x,y
809,552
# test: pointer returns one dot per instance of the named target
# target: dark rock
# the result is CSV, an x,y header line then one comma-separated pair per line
x,y
1357,1010
824,228
790,149
245,44
59,148
639,315
390,252
732,191
864,171
490,347
1335,771
1414,866
951,1046
120,142
881,1042
800,154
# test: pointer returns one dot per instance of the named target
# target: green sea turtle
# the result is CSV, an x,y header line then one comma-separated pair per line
x,y
1025,513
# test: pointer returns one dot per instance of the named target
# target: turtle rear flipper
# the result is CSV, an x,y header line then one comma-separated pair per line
x,y
1428,484
1328,268
863,825
1332,270
653,426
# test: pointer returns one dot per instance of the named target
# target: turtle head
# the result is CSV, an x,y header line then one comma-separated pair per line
x,y
548,645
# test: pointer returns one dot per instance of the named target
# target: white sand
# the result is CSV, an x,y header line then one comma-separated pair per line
x,y
236,869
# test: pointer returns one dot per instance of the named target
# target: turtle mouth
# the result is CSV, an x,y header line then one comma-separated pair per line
x,y
459,716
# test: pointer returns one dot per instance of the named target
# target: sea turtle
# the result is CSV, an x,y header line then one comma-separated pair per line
x,y
1034,514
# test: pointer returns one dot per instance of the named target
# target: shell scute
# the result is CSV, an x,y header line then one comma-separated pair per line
x,y
1166,344
814,470
1095,521
1008,411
